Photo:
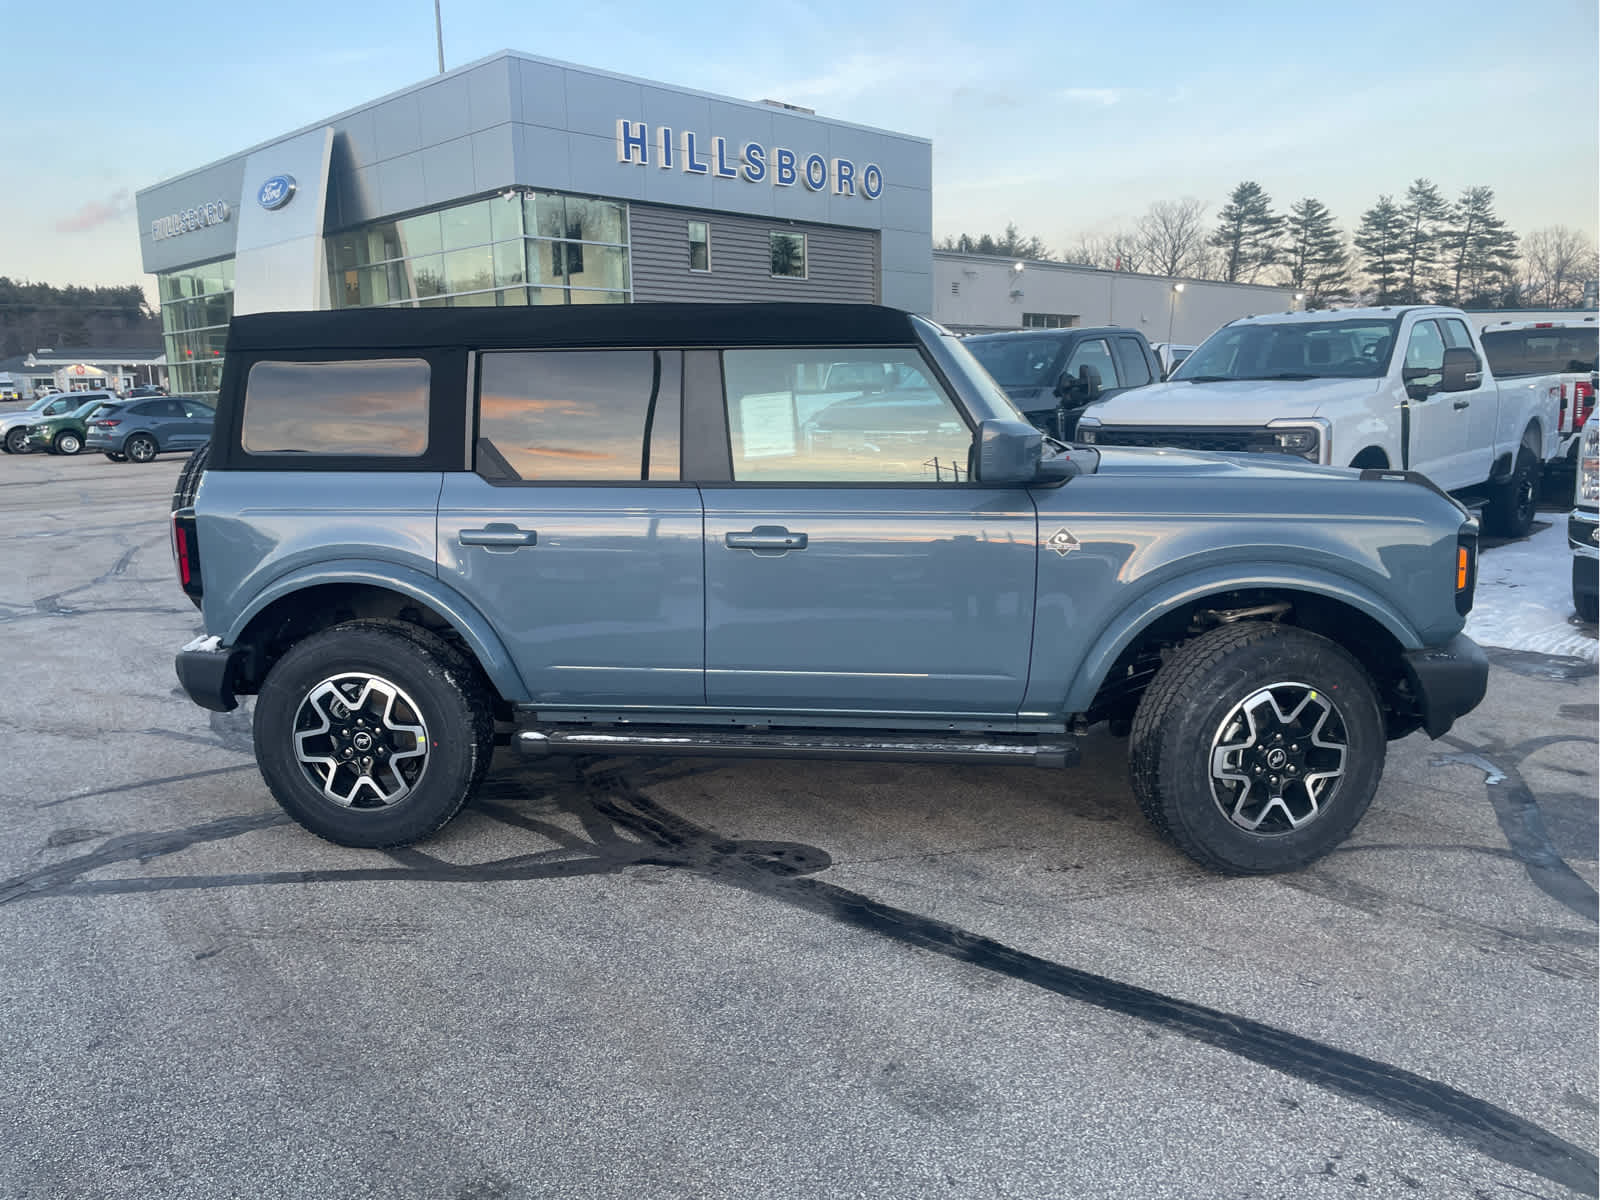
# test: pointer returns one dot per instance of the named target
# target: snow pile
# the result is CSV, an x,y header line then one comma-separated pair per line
x,y
1524,597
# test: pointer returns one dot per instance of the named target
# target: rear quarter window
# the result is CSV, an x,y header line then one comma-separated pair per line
x,y
365,408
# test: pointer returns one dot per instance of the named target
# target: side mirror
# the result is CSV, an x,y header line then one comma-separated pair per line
x,y
1008,452
1089,383
1462,370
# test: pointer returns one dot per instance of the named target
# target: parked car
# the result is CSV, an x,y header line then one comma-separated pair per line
x,y
14,426
139,430
1052,375
668,557
63,434
1385,388
1583,525
1170,354
1558,356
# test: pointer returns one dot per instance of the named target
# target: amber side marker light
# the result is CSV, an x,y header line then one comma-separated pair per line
x,y
1463,565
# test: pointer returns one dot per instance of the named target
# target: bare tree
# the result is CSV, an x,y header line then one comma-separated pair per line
x,y
1557,261
1173,237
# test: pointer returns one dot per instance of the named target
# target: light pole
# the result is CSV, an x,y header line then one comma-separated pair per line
x,y
1172,303
438,31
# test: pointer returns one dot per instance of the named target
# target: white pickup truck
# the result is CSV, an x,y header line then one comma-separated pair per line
x,y
1560,355
1396,387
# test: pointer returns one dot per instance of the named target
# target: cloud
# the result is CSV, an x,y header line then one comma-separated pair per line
x,y
97,213
1103,97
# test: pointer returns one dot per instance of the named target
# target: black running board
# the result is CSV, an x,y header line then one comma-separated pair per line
x,y
1056,751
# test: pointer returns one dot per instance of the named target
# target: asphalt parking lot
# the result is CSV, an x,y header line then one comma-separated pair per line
x,y
671,978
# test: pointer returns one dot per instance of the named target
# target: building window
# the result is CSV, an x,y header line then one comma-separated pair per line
x,y
788,255
527,248
699,246
196,305
1049,320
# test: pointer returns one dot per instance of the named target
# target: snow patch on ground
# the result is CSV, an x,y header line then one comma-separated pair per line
x,y
1524,596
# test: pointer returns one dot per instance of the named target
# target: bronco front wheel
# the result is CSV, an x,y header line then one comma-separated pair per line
x,y
1257,748
371,736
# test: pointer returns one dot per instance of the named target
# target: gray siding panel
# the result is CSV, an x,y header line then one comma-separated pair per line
x,y
842,264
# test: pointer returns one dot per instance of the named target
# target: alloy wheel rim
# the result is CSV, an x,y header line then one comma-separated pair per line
x,y
1278,758
140,451
361,740
69,444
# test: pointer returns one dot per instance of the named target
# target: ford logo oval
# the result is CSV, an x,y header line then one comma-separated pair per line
x,y
276,192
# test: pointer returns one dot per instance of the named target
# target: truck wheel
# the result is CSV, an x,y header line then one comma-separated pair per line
x,y
67,442
189,478
1513,503
140,448
372,737
1257,748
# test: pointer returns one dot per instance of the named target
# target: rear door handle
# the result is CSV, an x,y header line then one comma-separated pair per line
x,y
765,539
499,536
1462,404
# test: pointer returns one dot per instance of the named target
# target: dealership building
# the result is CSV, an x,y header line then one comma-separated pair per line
x,y
519,181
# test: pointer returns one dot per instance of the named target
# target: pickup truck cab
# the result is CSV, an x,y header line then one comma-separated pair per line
x,y
1394,388
796,530
1052,375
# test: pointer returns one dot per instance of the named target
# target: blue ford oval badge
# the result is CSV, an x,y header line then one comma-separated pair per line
x,y
276,192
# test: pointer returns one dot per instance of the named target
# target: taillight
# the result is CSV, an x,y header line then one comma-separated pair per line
x,y
1582,403
186,553
107,424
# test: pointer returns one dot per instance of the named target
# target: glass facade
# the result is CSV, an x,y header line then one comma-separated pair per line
x,y
524,248
196,305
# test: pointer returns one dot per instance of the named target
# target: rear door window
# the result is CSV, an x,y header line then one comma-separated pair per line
x,y
1130,356
582,416
362,408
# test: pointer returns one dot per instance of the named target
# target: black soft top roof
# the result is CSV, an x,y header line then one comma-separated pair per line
x,y
574,325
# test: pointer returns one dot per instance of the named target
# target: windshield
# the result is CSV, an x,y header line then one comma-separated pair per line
x,y
1514,352
83,410
1020,362
1357,349
964,361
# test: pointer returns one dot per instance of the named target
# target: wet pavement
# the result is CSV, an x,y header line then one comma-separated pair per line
x,y
632,977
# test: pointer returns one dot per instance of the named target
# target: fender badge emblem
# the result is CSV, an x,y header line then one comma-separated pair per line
x,y
1062,542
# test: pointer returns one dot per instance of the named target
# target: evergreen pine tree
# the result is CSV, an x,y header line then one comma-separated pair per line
x,y
1247,233
1380,239
1318,263
1481,250
1426,214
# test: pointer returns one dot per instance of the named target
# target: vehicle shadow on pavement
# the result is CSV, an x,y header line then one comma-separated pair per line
x,y
593,817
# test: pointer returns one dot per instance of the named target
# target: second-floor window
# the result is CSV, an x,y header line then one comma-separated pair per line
x,y
699,246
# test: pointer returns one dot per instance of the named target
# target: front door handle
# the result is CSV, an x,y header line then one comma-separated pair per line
x,y
765,539
1460,404
499,537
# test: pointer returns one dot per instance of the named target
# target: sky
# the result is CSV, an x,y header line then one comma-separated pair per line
x,y
1065,118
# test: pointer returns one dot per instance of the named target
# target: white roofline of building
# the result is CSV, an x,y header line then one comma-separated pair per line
x,y
755,105
1084,268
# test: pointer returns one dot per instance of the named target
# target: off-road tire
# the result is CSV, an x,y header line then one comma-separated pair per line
x,y
451,698
1512,504
15,439
1182,715
67,442
141,448
183,493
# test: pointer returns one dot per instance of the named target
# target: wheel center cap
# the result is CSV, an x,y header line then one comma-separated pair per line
x,y
363,741
1276,758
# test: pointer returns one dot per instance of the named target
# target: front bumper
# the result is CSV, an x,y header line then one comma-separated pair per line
x,y
1449,681
206,671
1583,532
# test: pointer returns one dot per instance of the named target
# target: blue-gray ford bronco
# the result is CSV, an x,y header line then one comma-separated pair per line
x,y
790,530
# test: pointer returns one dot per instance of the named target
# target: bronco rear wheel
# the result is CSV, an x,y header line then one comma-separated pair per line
x,y
369,736
1257,748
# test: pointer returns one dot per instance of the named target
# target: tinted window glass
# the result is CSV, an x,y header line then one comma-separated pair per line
x,y
582,414
157,408
837,416
1019,362
1541,351
1093,353
370,408
193,408
1130,355
1353,349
